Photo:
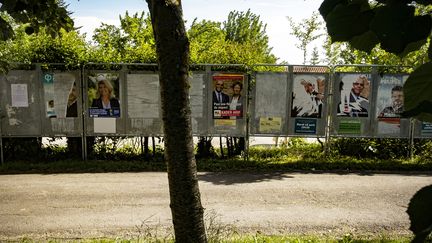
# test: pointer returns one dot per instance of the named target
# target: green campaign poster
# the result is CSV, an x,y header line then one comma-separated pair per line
x,y
350,127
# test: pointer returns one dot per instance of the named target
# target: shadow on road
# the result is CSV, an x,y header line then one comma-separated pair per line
x,y
226,178
230,178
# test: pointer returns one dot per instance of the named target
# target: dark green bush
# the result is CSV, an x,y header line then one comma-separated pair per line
x,y
380,148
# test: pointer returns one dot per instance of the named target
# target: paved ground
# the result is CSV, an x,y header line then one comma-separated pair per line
x,y
127,204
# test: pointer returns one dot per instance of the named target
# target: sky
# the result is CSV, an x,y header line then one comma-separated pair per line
x,y
89,14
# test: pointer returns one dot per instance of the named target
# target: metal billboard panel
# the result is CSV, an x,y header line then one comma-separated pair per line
x,y
308,108
20,103
269,104
143,104
198,103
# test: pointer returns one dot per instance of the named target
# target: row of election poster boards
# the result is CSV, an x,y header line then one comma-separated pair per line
x,y
350,105
118,102
126,102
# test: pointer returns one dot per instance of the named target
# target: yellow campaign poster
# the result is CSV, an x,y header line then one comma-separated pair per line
x,y
270,124
225,123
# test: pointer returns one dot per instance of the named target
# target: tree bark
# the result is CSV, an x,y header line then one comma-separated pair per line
x,y
172,47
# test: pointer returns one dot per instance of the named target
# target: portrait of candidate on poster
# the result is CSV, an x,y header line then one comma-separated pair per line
x,y
104,95
61,95
228,96
389,104
308,96
390,97
354,95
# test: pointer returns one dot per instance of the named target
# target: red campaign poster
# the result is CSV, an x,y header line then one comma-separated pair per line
x,y
228,97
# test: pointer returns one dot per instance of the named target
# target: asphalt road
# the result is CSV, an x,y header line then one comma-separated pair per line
x,y
131,204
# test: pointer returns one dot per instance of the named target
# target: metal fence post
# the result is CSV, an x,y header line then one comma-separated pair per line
x,y
83,120
411,138
329,101
1,138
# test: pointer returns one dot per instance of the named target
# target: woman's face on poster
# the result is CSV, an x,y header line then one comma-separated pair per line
x,y
237,89
103,90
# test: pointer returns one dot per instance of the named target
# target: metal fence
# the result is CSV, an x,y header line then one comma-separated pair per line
x,y
226,100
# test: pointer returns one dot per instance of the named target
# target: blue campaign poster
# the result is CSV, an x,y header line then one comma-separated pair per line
x,y
307,126
426,129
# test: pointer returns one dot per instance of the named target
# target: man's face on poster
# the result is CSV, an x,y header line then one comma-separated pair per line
x,y
358,86
309,88
219,85
397,98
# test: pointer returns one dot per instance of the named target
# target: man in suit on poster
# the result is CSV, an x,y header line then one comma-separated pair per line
x,y
354,104
220,101
218,95
395,109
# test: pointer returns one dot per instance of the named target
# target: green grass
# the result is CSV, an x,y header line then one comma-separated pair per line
x,y
257,238
220,165
260,159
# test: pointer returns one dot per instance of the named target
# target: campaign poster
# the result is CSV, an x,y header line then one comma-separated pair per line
x,y
228,98
354,91
61,95
389,103
104,95
308,96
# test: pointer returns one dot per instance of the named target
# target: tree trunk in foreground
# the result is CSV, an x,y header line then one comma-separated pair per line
x,y
172,47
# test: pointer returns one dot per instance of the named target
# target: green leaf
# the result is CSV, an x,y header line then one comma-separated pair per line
x,y
420,213
398,30
328,6
388,24
417,92
418,28
348,21
365,42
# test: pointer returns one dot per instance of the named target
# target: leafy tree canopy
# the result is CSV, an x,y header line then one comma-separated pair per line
x,y
133,41
241,39
69,48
